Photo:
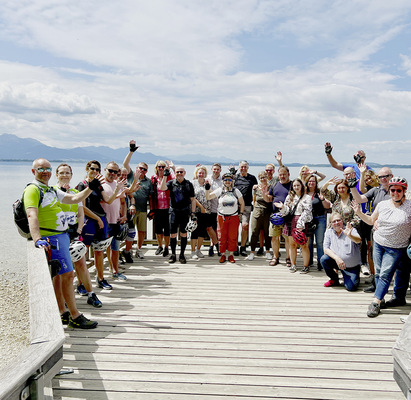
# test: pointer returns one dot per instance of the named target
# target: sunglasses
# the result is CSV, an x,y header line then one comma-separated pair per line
x,y
383,176
179,172
160,166
113,171
227,180
94,169
41,169
142,168
269,170
396,190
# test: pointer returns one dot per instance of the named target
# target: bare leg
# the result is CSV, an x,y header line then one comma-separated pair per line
x,y
68,293
83,274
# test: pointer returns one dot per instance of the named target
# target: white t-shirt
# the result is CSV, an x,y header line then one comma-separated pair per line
x,y
227,201
394,224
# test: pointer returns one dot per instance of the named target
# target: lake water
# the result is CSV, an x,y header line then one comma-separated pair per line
x,y
15,175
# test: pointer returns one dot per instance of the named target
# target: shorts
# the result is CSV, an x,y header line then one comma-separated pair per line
x,y
162,222
178,219
91,231
245,219
61,242
113,231
275,230
212,221
201,231
140,220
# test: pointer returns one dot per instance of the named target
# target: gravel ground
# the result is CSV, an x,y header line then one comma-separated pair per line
x,y
14,315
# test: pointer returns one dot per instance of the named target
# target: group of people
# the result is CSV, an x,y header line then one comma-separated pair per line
x,y
369,216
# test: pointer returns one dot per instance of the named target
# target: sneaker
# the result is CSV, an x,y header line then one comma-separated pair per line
x,y
268,256
103,284
65,317
82,322
94,301
159,250
404,319
293,268
250,257
194,255
172,259
373,310
260,251
119,275
331,283
218,250
182,259
371,288
305,270
319,267
121,260
243,252
81,290
166,252
371,279
236,253
231,259
127,256
139,254
395,302
365,270
222,259
211,251
200,254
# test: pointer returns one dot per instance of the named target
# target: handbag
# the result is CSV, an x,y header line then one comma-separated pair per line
x,y
289,217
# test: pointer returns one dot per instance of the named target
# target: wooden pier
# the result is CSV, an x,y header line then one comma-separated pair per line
x,y
210,331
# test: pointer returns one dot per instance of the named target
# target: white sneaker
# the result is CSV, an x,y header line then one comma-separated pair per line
x,y
250,257
200,254
268,256
139,254
365,270
194,255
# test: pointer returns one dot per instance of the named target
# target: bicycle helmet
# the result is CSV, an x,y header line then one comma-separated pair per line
x,y
191,225
122,232
409,251
277,219
227,175
299,237
77,250
398,181
102,244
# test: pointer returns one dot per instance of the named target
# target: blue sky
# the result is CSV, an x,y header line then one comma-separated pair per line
x,y
240,79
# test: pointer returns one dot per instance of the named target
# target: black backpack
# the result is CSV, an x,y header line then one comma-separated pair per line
x,y
20,216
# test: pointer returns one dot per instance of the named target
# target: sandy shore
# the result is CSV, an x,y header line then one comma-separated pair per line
x,y
14,314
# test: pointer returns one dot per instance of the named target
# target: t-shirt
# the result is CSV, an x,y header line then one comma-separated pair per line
x,y
245,185
227,201
343,247
215,184
161,197
71,210
93,201
199,194
358,176
180,194
50,214
394,224
318,208
112,210
375,196
279,192
143,194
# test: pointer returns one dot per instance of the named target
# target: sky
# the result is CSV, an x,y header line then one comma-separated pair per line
x,y
240,79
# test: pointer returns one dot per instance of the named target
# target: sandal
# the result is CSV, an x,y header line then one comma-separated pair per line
x,y
288,262
273,262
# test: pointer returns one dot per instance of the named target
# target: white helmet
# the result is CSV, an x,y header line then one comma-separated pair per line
x,y
102,244
77,250
191,225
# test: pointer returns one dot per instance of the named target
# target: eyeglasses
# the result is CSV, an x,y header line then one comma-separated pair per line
x,y
160,166
64,173
384,176
396,190
142,168
41,169
179,172
94,169
336,221
113,171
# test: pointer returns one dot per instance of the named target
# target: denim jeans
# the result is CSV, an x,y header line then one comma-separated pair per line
x,y
321,222
387,260
351,275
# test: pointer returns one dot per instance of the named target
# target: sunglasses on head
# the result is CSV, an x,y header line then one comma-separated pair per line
x,y
41,169
94,169
113,171
396,190
142,168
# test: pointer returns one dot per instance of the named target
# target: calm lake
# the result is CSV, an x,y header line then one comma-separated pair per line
x,y
15,175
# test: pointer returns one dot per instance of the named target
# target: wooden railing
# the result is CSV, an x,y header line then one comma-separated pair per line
x,y
29,375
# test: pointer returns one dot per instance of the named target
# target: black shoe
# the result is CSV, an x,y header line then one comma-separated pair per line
x,y
172,259
94,301
395,302
218,250
211,251
236,253
82,322
373,310
158,251
243,252
103,284
120,259
260,251
182,259
369,289
65,317
319,267
165,252
127,256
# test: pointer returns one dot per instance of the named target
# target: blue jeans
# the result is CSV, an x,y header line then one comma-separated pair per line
x,y
387,260
351,275
321,222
